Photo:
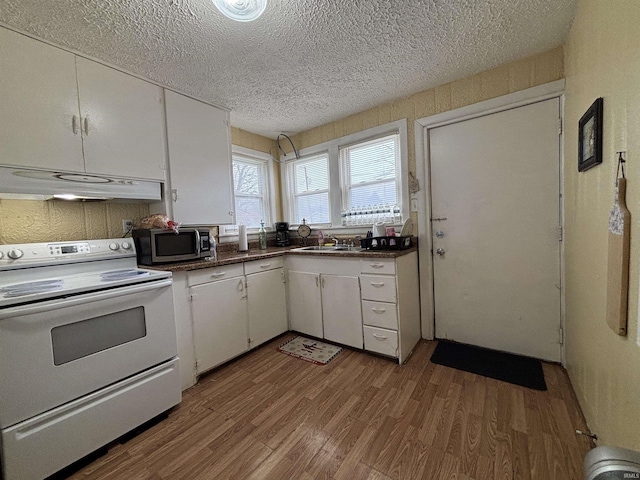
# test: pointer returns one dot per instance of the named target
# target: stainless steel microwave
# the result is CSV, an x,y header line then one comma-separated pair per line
x,y
158,245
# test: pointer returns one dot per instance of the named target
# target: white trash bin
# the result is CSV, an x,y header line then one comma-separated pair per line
x,y
611,463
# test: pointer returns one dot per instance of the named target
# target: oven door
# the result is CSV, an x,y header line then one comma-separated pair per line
x,y
56,351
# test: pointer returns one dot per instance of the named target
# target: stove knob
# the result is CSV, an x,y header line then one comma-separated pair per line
x,y
114,246
126,245
15,253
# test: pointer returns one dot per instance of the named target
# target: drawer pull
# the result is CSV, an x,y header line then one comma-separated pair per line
x,y
377,284
377,265
380,337
218,274
265,265
379,310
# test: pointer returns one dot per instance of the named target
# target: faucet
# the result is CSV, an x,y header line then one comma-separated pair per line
x,y
334,239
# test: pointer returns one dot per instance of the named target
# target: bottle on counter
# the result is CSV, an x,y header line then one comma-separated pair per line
x,y
262,236
320,238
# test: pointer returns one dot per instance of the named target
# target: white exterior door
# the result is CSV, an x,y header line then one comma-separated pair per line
x,y
495,222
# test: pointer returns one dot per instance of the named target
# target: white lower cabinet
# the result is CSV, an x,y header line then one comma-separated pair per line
x,y
324,298
305,303
235,308
391,305
267,306
220,327
341,311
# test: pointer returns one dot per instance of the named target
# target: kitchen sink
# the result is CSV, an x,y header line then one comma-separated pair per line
x,y
328,249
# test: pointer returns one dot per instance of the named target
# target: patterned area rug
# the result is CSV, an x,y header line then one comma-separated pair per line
x,y
312,351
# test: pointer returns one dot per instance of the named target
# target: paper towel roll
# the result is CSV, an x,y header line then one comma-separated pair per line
x,y
243,246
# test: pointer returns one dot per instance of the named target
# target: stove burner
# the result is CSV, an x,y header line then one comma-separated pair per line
x,y
122,275
29,288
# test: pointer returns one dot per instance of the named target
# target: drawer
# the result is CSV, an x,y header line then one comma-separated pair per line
x,y
196,277
384,265
378,287
377,314
381,341
263,265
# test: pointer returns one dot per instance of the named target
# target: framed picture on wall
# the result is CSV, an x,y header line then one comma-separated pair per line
x,y
590,137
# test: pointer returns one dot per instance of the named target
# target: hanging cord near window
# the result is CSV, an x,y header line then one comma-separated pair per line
x,y
621,162
291,142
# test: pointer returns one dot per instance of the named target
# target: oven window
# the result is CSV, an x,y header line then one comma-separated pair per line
x,y
168,244
84,338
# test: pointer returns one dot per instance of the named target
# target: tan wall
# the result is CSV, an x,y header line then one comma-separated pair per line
x,y
525,73
24,221
602,60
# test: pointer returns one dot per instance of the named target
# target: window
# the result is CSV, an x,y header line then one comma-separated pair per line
x,y
309,183
369,181
251,181
355,180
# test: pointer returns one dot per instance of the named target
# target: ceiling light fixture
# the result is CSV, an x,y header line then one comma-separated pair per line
x,y
241,10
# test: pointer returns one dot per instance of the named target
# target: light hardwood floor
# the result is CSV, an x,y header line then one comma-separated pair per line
x,y
271,416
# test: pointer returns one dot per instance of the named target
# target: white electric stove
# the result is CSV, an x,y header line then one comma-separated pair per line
x,y
87,350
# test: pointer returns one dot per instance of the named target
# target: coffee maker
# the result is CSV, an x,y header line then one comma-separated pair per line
x,y
282,234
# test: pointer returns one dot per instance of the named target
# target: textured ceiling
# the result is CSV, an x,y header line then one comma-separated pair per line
x,y
303,63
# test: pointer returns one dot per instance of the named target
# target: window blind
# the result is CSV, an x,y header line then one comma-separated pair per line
x,y
368,174
251,192
309,181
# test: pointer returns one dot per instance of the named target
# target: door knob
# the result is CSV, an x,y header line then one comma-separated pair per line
x,y
439,234
440,251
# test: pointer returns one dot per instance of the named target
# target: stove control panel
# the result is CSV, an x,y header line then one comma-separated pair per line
x,y
26,254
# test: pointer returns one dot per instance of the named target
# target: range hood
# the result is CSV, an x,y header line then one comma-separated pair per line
x,y
18,182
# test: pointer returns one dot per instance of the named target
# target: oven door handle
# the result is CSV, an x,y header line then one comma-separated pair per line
x,y
59,303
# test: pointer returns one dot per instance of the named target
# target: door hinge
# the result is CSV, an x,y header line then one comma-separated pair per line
x,y
561,336
559,126
560,233
192,297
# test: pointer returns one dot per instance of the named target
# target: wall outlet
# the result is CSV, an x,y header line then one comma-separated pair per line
x,y
127,225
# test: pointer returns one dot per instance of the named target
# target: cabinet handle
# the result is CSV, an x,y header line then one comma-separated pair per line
x,y
218,274
377,284
265,265
317,285
86,125
74,124
380,337
174,194
379,310
322,282
377,265
241,286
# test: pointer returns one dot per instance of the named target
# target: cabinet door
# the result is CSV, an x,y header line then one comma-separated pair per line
x,y
122,123
267,306
219,313
199,161
305,305
341,310
38,105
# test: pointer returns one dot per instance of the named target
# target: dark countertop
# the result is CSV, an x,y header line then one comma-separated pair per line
x,y
228,258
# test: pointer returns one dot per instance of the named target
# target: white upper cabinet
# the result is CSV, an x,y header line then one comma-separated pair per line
x,y
38,105
199,141
122,123
54,104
